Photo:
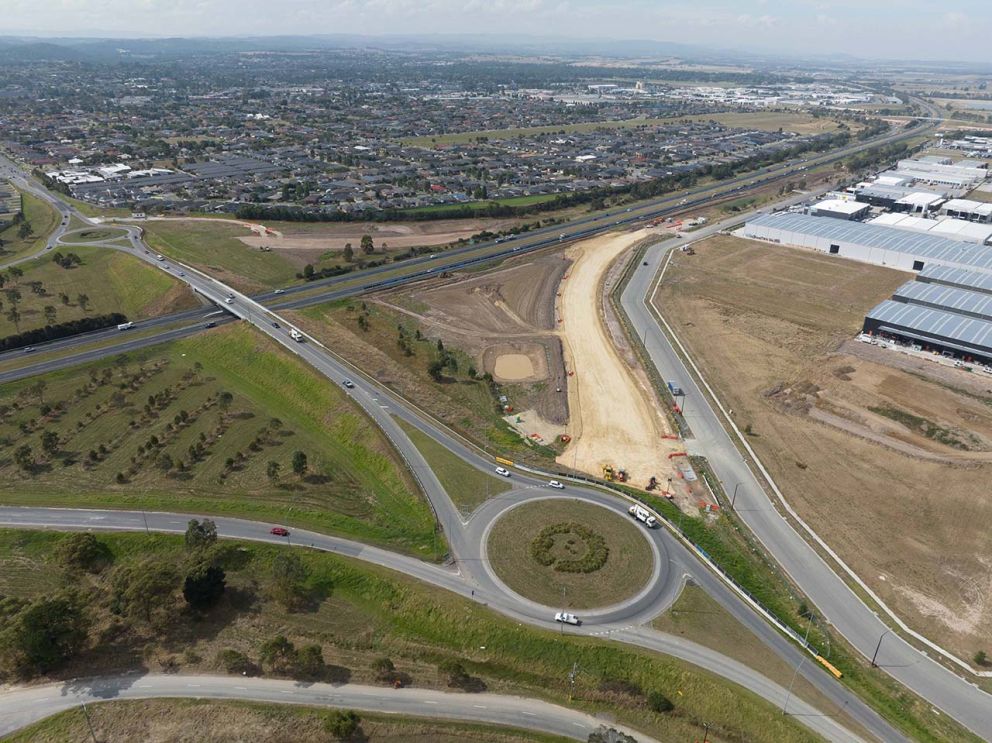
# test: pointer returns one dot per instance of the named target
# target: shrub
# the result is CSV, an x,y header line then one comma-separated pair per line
x,y
233,661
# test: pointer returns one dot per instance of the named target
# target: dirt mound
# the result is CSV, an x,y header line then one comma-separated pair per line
x,y
614,419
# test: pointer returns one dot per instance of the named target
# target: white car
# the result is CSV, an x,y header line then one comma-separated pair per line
x,y
566,618
229,300
502,472
556,485
279,291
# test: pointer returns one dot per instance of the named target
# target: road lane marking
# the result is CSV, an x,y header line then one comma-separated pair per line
x,y
480,706
428,701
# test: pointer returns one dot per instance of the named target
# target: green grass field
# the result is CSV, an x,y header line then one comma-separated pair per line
x,y
95,234
213,247
478,206
112,281
214,720
360,613
355,486
626,571
466,486
790,121
42,220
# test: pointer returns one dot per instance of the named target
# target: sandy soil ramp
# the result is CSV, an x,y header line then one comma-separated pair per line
x,y
614,420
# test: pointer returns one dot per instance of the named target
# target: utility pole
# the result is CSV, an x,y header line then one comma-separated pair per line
x,y
733,498
89,723
571,680
789,693
145,519
706,732
875,654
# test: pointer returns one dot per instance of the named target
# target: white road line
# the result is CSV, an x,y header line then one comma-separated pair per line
x,y
579,725
480,706
428,701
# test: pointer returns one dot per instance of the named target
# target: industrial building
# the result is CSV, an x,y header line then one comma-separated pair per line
x,y
948,311
973,211
953,229
839,209
881,246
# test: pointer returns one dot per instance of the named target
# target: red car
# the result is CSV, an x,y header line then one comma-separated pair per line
x,y
279,531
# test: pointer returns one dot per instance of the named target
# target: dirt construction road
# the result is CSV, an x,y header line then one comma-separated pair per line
x,y
614,419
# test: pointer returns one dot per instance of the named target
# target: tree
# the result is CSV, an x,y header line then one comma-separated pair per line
x,y
981,659
342,723
309,662
308,271
200,534
82,300
16,273
38,390
367,246
299,463
224,400
233,661
46,634
658,702
24,458
455,671
15,317
24,230
434,370
82,551
272,471
278,654
349,253
289,579
203,586
50,443
144,589
610,735
165,462
50,313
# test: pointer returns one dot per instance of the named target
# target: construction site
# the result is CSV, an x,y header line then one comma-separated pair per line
x,y
542,327
862,441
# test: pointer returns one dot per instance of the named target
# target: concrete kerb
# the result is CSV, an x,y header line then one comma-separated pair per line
x,y
701,555
649,304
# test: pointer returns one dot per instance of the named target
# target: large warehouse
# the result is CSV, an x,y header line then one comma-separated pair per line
x,y
868,243
948,309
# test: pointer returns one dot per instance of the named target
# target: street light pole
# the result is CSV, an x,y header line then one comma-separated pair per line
x,y
733,498
879,645
791,683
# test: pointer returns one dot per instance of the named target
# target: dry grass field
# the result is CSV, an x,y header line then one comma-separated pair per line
x,y
888,460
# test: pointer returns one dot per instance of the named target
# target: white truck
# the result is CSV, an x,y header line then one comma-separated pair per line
x,y
296,335
643,516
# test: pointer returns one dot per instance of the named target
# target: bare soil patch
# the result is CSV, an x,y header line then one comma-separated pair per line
x,y
616,419
886,455
513,367
393,235
506,312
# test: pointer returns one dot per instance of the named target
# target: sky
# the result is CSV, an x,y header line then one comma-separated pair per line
x,y
902,29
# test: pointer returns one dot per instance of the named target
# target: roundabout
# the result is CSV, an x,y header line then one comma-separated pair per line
x,y
567,552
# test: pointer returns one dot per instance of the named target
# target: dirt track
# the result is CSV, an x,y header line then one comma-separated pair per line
x,y
613,420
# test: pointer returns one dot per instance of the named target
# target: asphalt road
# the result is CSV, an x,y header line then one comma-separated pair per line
x,y
25,705
392,274
463,579
859,624
465,539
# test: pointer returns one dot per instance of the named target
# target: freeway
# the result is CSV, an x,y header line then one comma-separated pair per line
x,y
24,705
466,540
414,269
856,621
